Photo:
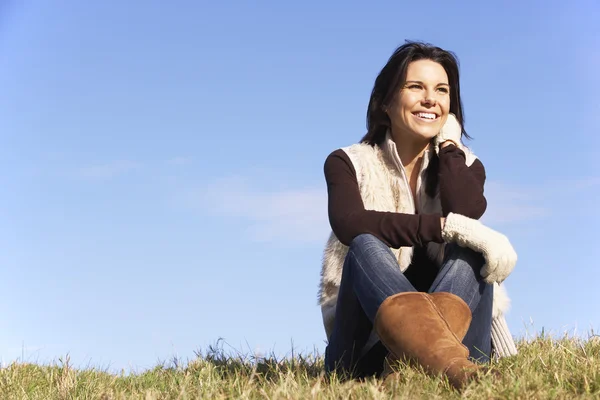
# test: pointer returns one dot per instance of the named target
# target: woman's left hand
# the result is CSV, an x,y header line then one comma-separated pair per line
x,y
500,256
451,132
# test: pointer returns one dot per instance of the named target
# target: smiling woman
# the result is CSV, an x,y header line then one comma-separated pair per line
x,y
408,271
417,111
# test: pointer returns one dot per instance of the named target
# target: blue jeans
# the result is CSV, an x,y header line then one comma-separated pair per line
x,y
371,274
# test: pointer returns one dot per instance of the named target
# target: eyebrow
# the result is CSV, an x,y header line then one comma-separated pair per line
x,y
439,84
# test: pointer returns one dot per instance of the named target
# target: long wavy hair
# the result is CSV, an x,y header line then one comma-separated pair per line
x,y
387,86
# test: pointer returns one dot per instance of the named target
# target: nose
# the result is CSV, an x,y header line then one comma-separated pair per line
x,y
428,98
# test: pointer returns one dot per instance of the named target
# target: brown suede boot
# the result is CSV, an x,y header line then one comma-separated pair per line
x,y
456,313
412,328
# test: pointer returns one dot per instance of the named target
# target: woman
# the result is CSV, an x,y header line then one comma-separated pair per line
x,y
409,272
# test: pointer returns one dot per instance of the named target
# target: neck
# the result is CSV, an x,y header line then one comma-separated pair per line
x,y
410,150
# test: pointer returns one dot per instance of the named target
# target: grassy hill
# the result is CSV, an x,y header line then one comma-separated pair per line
x,y
545,368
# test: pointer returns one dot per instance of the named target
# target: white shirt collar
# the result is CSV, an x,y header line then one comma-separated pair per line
x,y
391,152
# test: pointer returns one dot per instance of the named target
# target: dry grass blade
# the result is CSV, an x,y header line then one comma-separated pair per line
x,y
544,368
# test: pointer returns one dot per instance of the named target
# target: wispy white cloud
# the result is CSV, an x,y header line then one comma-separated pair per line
x,y
511,204
584,183
108,170
298,215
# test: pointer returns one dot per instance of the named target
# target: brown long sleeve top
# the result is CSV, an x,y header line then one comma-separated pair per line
x,y
461,192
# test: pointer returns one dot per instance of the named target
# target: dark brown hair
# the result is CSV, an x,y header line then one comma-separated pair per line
x,y
388,83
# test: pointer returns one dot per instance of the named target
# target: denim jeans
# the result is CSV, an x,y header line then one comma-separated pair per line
x,y
371,274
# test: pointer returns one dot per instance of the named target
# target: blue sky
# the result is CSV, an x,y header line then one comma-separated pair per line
x,y
162,181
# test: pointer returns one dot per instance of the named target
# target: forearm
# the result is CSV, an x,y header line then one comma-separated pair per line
x,y
394,229
461,186
349,218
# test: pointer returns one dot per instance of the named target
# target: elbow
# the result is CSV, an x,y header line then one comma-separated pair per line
x,y
473,209
476,209
345,229
344,235
345,240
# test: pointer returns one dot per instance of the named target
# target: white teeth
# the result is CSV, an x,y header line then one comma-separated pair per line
x,y
426,115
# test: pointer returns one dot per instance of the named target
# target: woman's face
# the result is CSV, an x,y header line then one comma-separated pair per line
x,y
421,107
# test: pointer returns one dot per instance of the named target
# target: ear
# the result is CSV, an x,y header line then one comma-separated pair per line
x,y
385,108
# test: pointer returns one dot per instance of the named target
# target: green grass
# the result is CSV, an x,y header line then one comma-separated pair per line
x,y
545,368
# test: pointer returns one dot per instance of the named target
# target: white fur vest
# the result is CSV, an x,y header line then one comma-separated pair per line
x,y
384,186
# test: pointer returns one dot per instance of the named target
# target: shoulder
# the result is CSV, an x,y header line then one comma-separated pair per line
x,y
338,164
361,150
337,158
470,156
473,162
351,156
462,151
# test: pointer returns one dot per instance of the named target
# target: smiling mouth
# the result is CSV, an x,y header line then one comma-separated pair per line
x,y
426,116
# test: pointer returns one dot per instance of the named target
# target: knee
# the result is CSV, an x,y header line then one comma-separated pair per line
x,y
468,256
464,260
367,247
365,240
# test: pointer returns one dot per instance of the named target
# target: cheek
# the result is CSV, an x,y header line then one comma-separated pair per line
x,y
398,108
445,105
406,102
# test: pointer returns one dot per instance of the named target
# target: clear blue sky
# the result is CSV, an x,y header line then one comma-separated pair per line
x,y
162,181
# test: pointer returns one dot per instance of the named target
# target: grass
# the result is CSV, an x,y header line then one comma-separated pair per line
x,y
545,368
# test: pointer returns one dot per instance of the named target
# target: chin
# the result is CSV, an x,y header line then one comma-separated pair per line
x,y
426,136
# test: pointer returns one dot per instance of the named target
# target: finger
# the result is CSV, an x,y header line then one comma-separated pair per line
x,y
485,270
490,279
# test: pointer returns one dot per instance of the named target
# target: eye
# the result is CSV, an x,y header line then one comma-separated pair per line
x,y
414,86
443,89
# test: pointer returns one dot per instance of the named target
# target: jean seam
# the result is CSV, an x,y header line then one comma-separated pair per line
x,y
367,276
378,287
